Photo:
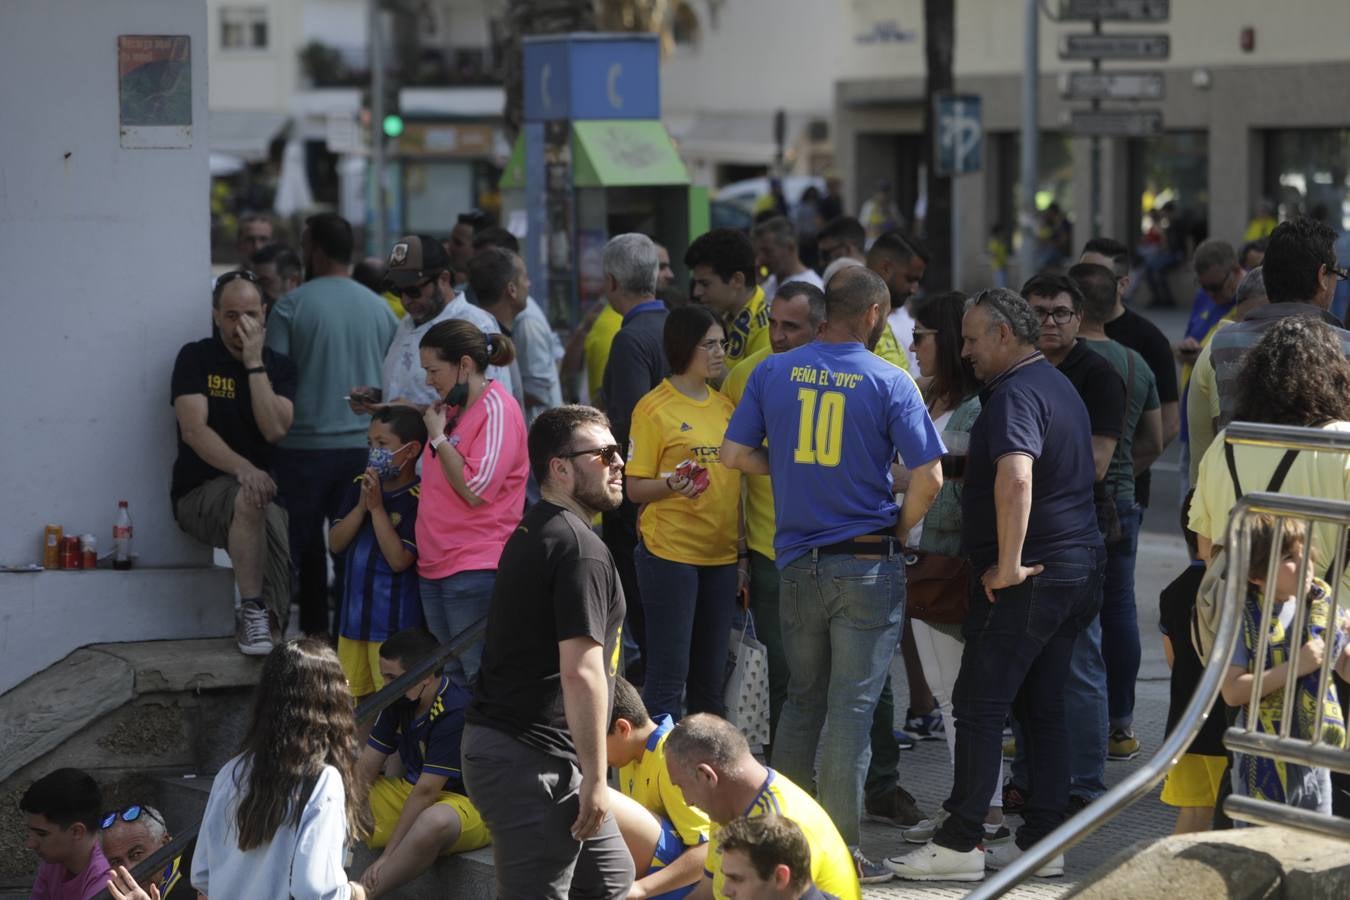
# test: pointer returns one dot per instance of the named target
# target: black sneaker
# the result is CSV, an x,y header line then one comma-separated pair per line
x,y
903,740
1076,804
1014,799
925,727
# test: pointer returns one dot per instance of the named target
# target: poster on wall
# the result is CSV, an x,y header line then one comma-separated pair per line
x,y
154,90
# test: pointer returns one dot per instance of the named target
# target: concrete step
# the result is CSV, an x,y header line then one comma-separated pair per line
x,y
464,876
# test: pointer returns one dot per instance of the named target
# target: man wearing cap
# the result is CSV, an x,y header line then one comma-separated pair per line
x,y
420,271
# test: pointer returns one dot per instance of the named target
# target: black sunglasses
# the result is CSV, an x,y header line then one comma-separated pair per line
x,y
235,275
1341,274
412,290
608,453
130,814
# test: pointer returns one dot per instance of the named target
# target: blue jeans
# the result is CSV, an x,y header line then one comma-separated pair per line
x,y
1120,618
1085,711
690,608
841,619
453,604
311,485
1017,657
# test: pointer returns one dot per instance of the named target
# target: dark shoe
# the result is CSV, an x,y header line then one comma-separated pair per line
x,y
1076,804
903,740
1014,799
926,727
896,808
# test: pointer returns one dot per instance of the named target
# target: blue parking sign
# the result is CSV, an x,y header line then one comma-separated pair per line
x,y
960,135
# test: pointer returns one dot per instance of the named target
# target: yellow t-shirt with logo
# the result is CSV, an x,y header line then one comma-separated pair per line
x,y
647,781
596,347
831,863
748,331
667,429
759,521
889,349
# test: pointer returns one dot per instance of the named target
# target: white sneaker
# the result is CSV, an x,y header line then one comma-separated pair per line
x,y
253,631
924,831
1001,856
932,862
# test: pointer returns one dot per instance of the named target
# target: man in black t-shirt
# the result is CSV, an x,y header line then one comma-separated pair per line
x,y
534,744
233,400
1125,326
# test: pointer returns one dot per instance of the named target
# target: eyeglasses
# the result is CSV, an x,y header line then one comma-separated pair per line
x,y
415,289
711,345
608,454
1061,314
1341,274
130,814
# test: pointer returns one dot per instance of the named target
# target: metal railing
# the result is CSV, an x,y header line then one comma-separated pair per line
x,y
1283,746
366,711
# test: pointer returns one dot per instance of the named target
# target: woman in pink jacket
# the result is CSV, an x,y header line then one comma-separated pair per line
x,y
473,482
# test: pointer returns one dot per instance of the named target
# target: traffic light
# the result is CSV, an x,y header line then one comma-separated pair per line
x,y
392,123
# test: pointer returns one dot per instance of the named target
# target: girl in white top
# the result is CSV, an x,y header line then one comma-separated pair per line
x,y
281,813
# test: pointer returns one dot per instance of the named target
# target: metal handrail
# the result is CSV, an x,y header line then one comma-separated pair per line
x,y
1140,782
366,711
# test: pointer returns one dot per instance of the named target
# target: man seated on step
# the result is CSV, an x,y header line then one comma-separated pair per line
x,y
425,813
766,858
234,399
667,838
61,813
132,835
710,762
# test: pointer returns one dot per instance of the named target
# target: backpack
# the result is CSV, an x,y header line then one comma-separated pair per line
x,y
1209,599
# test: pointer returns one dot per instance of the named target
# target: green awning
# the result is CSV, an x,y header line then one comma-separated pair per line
x,y
624,153
513,176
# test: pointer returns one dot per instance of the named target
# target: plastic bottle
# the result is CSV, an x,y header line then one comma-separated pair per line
x,y
122,537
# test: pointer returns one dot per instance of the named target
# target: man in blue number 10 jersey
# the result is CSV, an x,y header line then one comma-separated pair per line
x,y
835,416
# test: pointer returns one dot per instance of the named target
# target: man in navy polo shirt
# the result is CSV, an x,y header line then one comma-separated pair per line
x,y
1030,531
836,415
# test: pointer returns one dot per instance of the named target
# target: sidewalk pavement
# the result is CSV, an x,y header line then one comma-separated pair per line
x,y
926,771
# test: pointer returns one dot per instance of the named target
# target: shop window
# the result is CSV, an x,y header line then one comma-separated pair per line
x,y
1308,174
243,28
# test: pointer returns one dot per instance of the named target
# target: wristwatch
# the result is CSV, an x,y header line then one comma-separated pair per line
x,y
436,443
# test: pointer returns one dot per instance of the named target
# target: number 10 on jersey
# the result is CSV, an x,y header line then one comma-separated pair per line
x,y
820,429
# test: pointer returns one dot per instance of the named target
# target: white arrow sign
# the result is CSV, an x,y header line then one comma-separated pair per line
x,y
1112,86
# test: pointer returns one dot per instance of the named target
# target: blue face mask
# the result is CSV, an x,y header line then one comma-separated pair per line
x,y
381,459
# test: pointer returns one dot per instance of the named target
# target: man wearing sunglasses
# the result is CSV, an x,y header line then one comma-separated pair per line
x,y
419,270
130,836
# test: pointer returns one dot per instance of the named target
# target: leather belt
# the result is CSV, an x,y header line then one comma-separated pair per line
x,y
864,546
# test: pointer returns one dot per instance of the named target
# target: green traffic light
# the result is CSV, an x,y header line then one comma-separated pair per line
x,y
393,125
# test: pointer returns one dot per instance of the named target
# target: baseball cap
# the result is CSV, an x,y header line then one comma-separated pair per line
x,y
416,257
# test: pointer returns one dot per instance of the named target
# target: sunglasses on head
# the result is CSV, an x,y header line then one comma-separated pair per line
x,y
130,814
608,453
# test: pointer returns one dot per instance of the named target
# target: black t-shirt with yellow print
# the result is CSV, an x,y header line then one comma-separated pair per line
x,y
206,367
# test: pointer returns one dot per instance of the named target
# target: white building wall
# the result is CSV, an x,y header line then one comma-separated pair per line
x,y
106,267
257,79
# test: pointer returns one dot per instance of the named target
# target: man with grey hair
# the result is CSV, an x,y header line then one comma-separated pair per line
x,y
839,531
1029,528
637,363
1202,394
708,759
775,243
132,835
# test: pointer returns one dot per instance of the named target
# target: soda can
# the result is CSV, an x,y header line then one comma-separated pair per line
x,y
70,552
51,547
88,551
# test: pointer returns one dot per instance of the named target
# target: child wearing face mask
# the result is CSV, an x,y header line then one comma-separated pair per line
x,y
376,539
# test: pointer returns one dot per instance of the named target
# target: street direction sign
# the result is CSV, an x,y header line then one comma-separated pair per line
x,y
1116,10
1112,86
960,134
1116,123
1115,46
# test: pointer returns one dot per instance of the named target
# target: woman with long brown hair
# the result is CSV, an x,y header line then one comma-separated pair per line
x,y
281,813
